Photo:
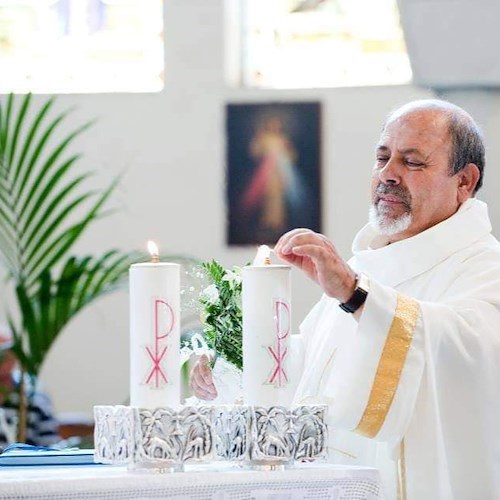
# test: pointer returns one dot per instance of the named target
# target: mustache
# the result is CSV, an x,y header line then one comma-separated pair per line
x,y
400,191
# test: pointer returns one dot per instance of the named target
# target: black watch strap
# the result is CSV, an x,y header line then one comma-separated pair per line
x,y
358,297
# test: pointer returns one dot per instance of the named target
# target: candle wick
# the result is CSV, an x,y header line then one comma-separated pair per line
x,y
155,258
267,261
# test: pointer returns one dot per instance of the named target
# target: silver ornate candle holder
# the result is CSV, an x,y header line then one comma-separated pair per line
x,y
161,440
113,434
271,437
232,431
164,439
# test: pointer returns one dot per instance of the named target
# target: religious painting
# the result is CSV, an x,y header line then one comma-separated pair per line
x,y
273,170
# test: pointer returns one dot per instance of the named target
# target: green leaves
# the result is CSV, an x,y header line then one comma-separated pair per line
x,y
222,313
43,206
44,210
57,299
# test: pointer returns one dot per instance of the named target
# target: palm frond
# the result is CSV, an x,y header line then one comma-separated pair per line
x,y
34,226
28,143
4,128
41,198
52,250
17,127
38,178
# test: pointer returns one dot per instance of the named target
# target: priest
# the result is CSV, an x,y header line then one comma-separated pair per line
x,y
409,364
404,345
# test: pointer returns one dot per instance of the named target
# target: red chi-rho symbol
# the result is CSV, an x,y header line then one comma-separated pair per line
x,y
163,321
278,352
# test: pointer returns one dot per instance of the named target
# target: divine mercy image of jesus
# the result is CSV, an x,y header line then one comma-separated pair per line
x,y
273,170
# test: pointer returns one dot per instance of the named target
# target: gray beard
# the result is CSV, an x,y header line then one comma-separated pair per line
x,y
386,226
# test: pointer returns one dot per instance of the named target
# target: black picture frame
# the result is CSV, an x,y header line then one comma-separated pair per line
x,y
273,167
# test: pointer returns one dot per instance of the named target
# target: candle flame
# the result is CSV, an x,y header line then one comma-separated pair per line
x,y
263,257
153,250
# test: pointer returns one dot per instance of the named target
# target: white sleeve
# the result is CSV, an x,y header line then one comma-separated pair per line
x,y
295,363
309,325
383,353
376,377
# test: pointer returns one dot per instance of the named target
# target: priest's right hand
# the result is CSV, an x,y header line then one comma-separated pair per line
x,y
201,381
317,256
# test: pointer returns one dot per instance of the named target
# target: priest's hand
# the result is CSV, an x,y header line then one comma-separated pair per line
x,y
201,381
316,255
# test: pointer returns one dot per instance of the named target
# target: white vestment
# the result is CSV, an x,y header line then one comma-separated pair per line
x,y
418,378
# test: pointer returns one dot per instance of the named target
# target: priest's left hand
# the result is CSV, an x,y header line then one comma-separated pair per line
x,y
201,381
317,256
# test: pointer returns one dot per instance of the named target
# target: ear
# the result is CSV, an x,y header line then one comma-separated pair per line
x,y
468,177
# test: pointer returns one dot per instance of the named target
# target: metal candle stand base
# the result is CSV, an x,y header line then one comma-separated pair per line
x,y
271,437
159,440
164,439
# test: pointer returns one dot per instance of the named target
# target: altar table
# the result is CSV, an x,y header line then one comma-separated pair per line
x,y
200,482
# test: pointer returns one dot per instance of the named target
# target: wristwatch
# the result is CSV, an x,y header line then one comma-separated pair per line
x,y
359,296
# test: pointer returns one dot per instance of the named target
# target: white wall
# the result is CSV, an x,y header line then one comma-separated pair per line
x,y
171,147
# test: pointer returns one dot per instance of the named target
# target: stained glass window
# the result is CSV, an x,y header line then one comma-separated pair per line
x,y
321,43
80,46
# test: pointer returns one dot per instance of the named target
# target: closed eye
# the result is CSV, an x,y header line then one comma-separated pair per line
x,y
414,164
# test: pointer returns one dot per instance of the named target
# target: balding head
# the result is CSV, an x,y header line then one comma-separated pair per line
x,y
429,162
467,145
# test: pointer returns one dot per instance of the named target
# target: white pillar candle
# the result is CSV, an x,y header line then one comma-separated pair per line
x,y
154,335
266,296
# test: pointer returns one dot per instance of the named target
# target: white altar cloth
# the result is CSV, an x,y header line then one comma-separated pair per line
x,y
201,482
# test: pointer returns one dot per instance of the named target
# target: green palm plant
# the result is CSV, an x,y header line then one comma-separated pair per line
x,y
45,208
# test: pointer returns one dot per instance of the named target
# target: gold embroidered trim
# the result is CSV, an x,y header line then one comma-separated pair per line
x,y
390,366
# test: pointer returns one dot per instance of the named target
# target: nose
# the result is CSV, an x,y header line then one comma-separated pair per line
x,y
389,173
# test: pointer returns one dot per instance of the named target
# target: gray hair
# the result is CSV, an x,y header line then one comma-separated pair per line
x,y
467,146
467,143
